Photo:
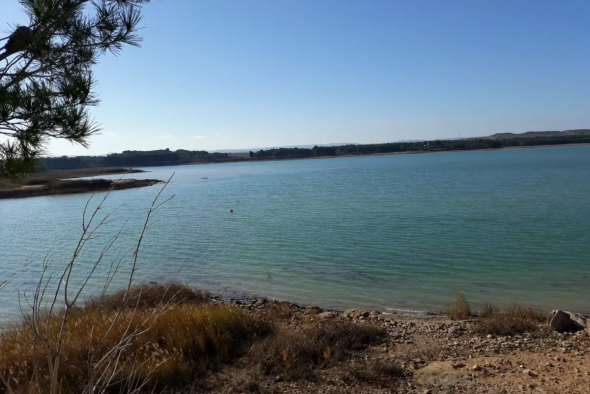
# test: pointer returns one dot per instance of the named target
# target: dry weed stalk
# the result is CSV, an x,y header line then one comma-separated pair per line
x,y
458,308
50,326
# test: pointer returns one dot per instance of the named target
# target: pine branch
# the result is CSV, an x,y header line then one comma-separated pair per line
x,y
46,83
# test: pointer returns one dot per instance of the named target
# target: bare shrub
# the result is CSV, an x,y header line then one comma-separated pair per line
x,y
39,355
246,381
294,354
177,345
380,372
459,308
280,310
512,319
431,351
487,310
149,295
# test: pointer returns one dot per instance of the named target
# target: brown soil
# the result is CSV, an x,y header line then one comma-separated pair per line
x,y
427,355
197,343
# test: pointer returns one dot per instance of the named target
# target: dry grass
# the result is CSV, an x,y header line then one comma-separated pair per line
x,y
488,310
512,319
294,354
428,351
379,372
150,295
184,341
242,381
280,310
459,308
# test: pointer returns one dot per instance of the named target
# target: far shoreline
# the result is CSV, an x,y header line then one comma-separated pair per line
x,y
66,182
78,186
381,154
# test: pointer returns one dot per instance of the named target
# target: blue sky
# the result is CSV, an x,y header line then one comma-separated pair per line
x,y
255,73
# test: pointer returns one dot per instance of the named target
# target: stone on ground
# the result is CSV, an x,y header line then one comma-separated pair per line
x,y
355,313
561,321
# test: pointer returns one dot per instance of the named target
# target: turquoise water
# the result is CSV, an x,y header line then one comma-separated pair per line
x,y
382,232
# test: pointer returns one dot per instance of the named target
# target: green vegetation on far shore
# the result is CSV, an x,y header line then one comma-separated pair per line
x,y
182,156
424,146
162,157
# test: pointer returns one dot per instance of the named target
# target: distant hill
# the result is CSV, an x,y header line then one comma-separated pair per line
x,y
531,134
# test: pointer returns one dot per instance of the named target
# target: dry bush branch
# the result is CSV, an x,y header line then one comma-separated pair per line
x,y
511,319
174,347
459,308
295,353
49,332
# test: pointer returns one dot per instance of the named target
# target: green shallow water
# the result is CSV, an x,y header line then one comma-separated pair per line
x,y
383,232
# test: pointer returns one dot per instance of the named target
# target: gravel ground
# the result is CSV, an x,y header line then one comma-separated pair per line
x,y
431,353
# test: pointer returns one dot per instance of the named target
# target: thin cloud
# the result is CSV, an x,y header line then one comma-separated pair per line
x,y
163,137
110,133
199,137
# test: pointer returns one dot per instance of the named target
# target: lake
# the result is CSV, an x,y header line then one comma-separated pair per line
x,y
397,232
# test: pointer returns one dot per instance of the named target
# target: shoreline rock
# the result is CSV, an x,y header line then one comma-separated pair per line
x,y
569,321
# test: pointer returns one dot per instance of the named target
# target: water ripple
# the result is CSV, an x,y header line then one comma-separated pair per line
x,y
401,232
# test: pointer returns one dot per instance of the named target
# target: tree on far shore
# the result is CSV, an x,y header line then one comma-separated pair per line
x,y
46,80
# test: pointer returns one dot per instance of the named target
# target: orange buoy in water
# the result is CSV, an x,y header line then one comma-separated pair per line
x,y
231,210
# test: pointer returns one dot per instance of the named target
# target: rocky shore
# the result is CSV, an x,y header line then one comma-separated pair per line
x,y
435,355
187,341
